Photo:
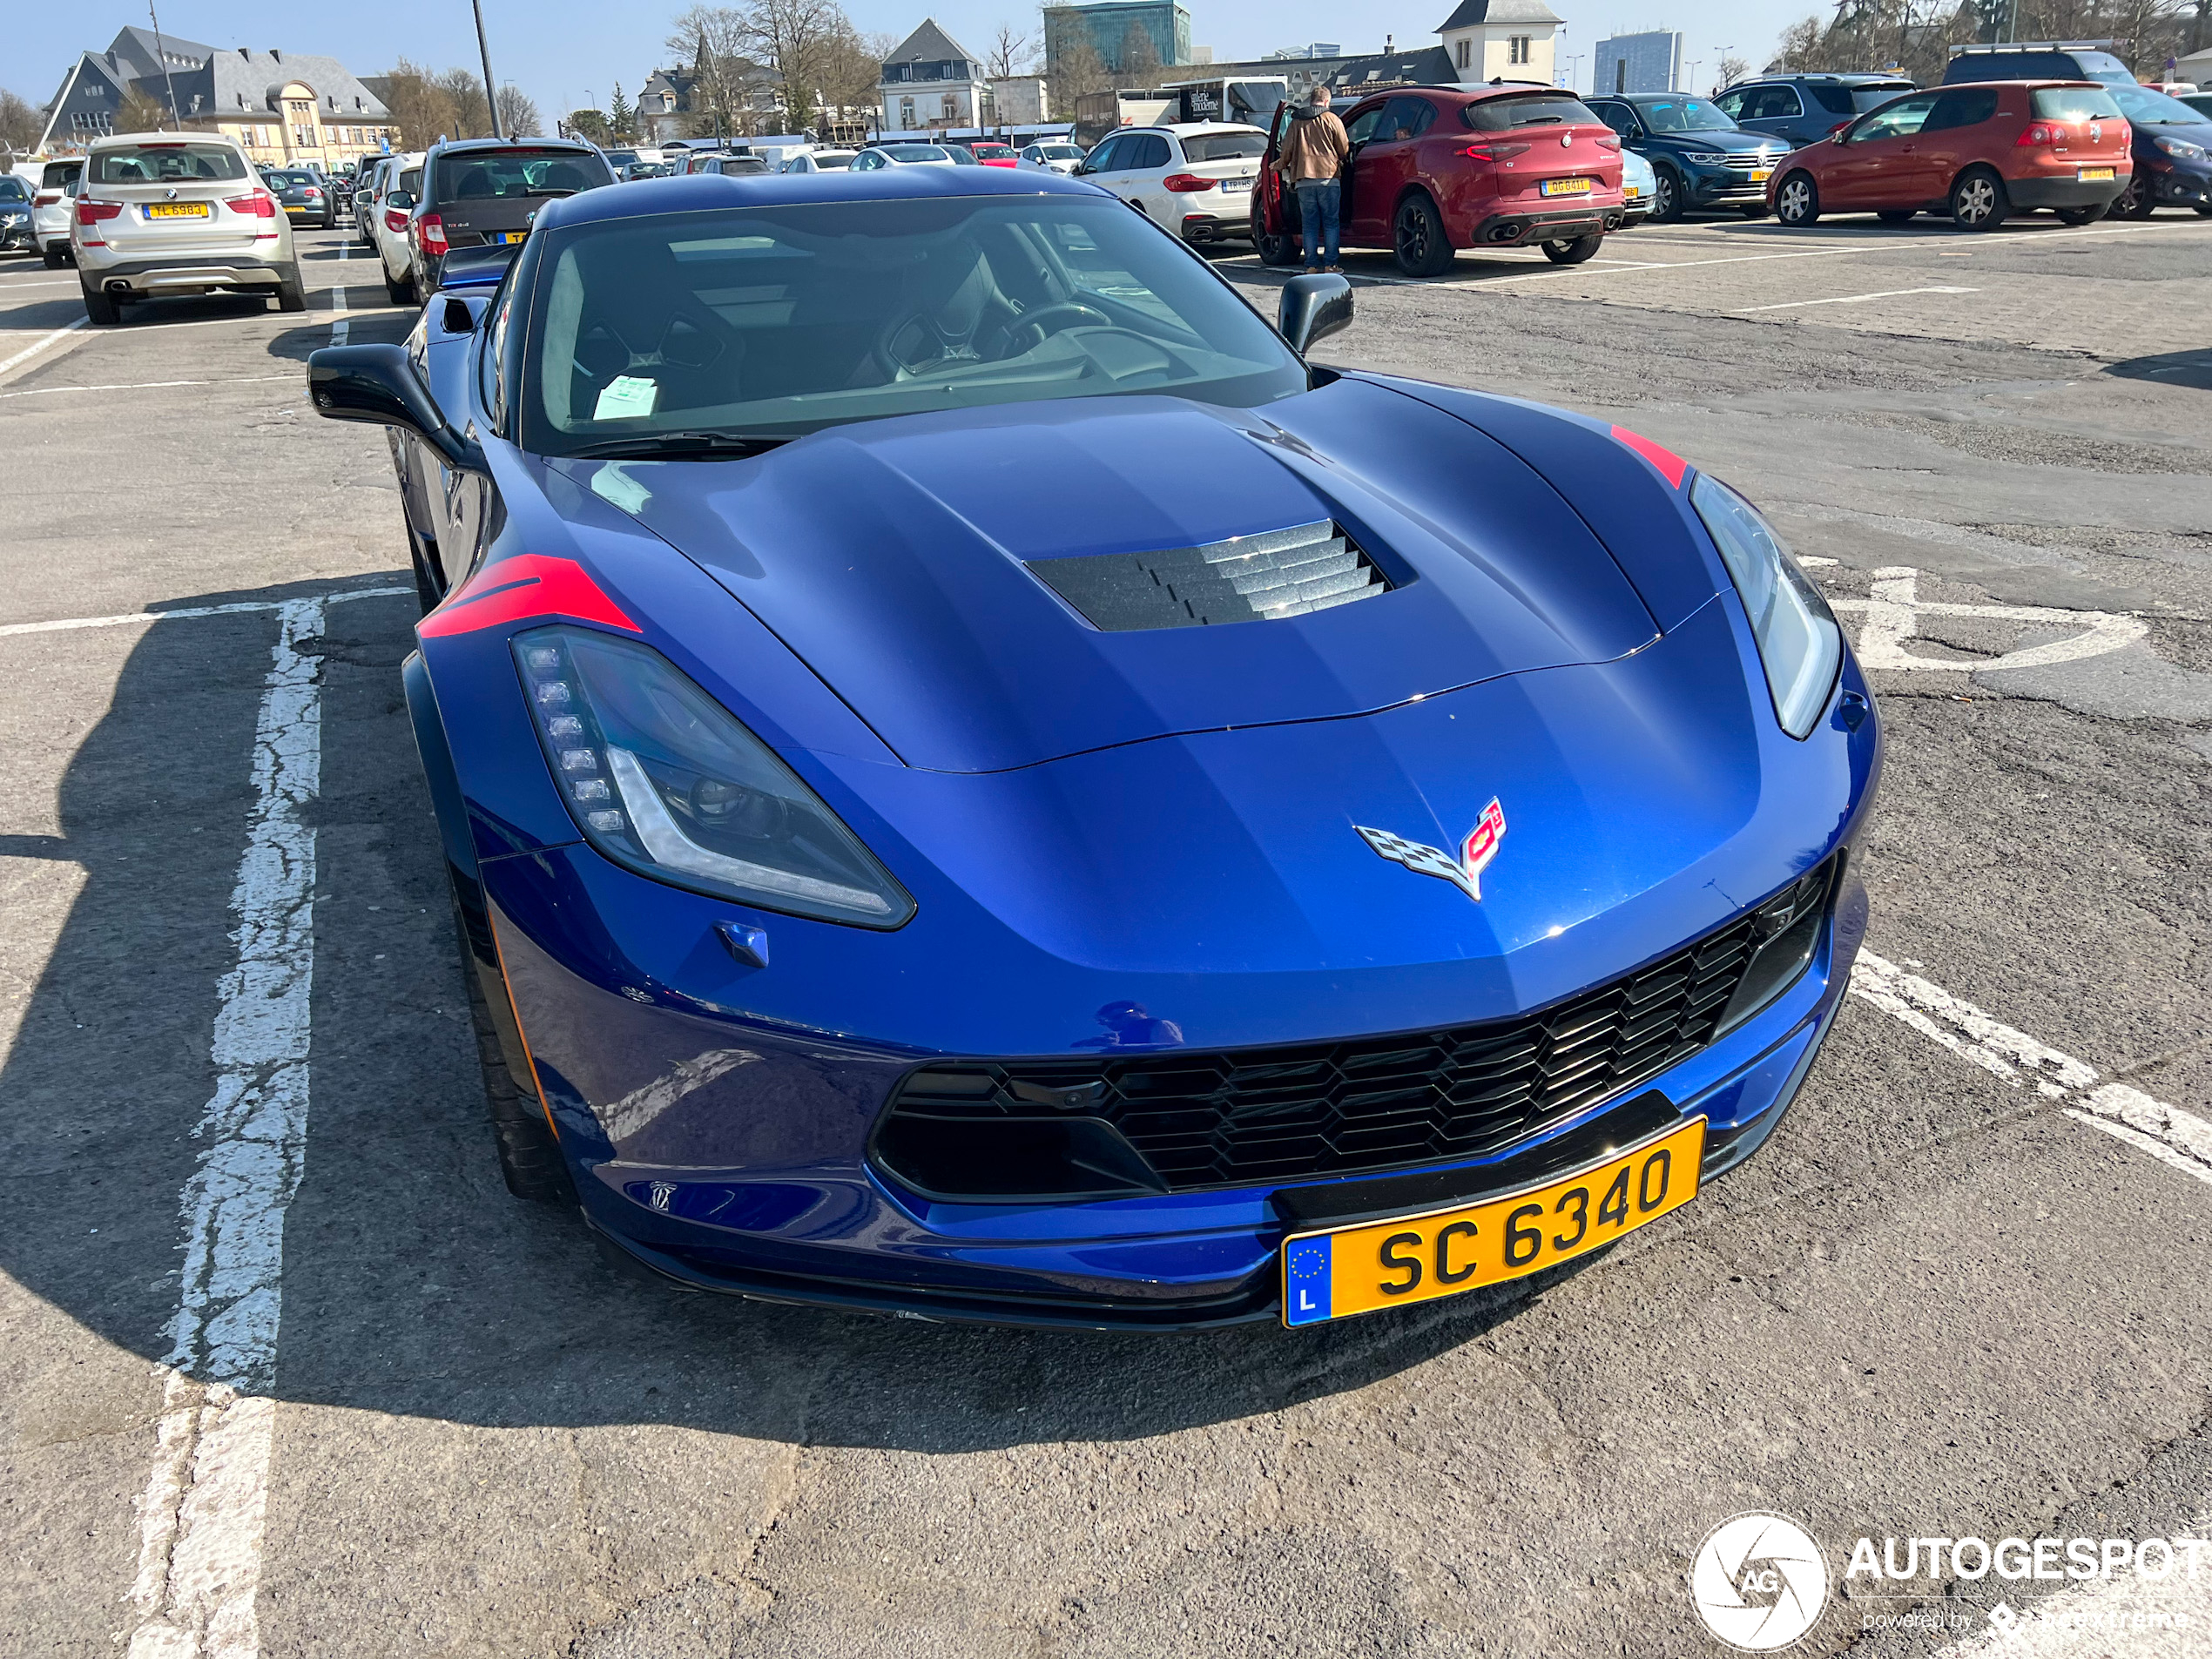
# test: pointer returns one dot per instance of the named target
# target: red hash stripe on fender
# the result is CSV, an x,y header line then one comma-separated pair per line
x,y
1671,466
525,586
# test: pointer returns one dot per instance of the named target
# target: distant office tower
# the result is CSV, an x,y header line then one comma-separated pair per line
x,y
1637,64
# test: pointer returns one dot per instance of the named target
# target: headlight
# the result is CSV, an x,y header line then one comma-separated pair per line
x,y
1705,157
664,780
2180,149
1798,641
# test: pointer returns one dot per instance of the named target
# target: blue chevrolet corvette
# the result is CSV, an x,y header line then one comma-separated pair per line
x,y
980,782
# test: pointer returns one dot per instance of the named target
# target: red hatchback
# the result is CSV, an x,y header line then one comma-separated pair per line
x,y
1976,152
1434,169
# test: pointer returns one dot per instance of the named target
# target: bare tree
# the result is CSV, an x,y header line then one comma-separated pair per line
x,y
1079,72
1140,58
518,116
471,113
847,72
1732,69
420,105
141,112
1012,52
1799,47
713,39
20,123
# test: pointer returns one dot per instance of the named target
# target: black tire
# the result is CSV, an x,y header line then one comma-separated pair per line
x,y
1756,212
1797,201
2139,200
1417,237
426,589
2081,215
362,234
2203,212
529,1157
1275,248
1978,200
1575,251
99,310
399,293
292,292
1896,215
56,258
1666,194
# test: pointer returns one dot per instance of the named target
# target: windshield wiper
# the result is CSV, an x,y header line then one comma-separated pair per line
x,y
685,445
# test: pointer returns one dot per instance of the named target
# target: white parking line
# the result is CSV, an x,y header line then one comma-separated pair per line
x,y
39,345
1894,609
206,1496
1852,299
340,329
2180,1139
148,386
65,623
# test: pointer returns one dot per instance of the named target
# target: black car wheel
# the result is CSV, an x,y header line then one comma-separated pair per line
x,y
56,258
1575,251
2081,215
1417,240
1797,201
98,308
399,291
1895,215
1666,194
1274,248
2139,200
292,292
530,1156
1978,200
1757,210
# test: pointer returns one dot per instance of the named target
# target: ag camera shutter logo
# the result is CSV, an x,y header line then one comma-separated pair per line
x,y
1759,1581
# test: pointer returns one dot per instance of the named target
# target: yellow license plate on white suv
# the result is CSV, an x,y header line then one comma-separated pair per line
x,y
1448,1252
176,210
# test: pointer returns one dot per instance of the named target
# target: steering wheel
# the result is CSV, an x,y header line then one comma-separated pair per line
x,y
1072,310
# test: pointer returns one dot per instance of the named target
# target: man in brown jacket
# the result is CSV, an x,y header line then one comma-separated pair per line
x,y
1311,158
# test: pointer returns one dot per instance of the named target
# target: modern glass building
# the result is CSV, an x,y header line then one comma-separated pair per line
x,y
1109,28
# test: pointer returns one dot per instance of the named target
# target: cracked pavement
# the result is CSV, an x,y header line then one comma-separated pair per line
x,y
1934,1304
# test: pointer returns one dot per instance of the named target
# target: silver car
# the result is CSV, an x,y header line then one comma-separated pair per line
x,y
162,213
54,205
1053,155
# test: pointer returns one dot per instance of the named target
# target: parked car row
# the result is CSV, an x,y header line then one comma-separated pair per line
x,y
417,208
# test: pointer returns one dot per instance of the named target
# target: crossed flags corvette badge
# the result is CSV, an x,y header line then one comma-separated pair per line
x,y
1464,872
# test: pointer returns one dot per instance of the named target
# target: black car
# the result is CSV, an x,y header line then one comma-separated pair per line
x,y
1699,157
2036,60
306,198
18,234
1805,109
481,191
2172,151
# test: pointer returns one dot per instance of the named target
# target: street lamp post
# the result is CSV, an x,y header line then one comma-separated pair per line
x,y
1720,56
491,87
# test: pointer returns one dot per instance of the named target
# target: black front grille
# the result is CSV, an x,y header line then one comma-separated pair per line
x,y
1256,1116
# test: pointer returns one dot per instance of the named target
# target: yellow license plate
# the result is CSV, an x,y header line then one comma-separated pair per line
x,y
2092,175
1565,187
1760,175
1629,192
177,210
1418,1259
506,237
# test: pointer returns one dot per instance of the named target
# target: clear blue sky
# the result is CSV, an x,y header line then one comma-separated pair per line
x,y
558,50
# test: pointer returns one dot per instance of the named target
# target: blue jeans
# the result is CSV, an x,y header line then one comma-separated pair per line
x,y
1318,199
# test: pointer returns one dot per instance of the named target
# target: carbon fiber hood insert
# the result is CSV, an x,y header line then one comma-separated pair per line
x,y
1247,578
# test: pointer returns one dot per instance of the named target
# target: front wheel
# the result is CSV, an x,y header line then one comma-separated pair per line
x,y
1978,200
1666,195
1796,203
1575,251
1417,240
2081,215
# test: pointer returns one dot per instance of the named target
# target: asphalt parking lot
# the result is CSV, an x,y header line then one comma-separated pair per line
x,y
1961,1293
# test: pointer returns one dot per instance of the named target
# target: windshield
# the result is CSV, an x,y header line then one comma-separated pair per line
x,y
13,189
290,180
2148,109
781,320
162,164
1683,115
1060,152
2074,104
1537,109
1224,146
486,175
915,153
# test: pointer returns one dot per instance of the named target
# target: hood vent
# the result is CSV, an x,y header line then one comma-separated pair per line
x,y
1247,578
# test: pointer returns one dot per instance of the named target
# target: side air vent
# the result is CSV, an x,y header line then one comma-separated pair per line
x,y
1247,578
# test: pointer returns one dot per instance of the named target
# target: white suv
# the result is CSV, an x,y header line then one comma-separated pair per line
x,y
401,183
161,213
1193,178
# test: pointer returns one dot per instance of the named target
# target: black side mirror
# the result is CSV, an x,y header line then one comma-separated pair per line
x,y
377,384
1314,307
399,198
